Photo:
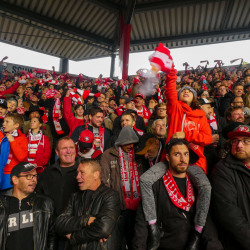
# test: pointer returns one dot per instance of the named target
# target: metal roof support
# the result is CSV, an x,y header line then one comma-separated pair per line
x,y
187,37
129,11
169,4
107,5
112,67
64,65
16,10
228,13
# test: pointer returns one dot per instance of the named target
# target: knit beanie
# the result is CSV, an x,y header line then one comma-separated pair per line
x,y
190,89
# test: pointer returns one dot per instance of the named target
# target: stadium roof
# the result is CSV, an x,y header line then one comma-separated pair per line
x,y
80,30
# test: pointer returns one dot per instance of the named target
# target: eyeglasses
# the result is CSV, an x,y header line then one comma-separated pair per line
x,y
244,142
162,109
29,176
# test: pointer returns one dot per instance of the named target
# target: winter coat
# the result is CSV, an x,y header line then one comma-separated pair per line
x,y
46,131
43,221
193,123
19,149
43,152
230,201
105,207
69,116
58,187
175,223
225,102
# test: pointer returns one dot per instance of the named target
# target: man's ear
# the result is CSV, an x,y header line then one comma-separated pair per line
x,y
96,175
167,157
16,125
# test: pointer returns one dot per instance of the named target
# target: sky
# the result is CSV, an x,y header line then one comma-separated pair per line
x,y
193,55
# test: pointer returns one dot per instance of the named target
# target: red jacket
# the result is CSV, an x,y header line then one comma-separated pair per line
x,y
69,116
19,150
194,122
43,152
10,90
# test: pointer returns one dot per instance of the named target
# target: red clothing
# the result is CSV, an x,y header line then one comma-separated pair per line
x,y
19,150
194,122
43,152
10,90
69,116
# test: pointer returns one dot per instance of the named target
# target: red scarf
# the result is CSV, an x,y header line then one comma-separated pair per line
x,y
176,195
56,122
45,115
145,114
131,188
160,97
20,110
212,122
34,141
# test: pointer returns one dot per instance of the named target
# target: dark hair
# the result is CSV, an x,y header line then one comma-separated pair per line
x,y
39,119
132,117
237,84
94,110
170,145
233,98
77,106
154,114
195,104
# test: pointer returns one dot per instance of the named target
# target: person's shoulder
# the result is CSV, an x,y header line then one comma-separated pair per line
x,y
107,191
43,200
109,151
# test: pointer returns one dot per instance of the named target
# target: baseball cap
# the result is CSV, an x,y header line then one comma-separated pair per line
x,y
242,130
193,157
144,143
3,103
204,101
130,99
30,88
24,167
86,139
123,97
139,95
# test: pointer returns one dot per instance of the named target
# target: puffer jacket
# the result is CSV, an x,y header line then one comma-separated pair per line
x,y
105,207
43,219
230,200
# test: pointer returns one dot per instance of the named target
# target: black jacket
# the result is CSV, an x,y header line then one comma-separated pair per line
x,y
225,102
76,134
230,181
43,221
58,187
105,206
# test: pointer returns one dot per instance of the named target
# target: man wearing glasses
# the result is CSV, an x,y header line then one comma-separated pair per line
x,y
231,191
26,218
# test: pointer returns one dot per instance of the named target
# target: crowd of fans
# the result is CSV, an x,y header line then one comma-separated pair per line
x,y
95,164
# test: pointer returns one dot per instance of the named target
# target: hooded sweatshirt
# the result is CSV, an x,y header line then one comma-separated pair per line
x,y
126,136
193,123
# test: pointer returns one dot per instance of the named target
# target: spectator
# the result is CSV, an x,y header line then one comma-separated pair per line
x,y
230,188
141,109
59,180
237,101
36,112
234,114
115,161
246,109
3,112
12,105
99,212
30,216
38,144
14,148
86,147
151,105
160,130
160,112
96,127
109,115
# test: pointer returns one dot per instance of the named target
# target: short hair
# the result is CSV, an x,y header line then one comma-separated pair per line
x,y
229,111
39,119
16,118
153,124
169,147
64,138
246,100
129,114
94,110
95,164
233,98
77,106
237,84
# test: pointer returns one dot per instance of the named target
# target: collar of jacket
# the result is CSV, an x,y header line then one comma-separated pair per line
x,y
234,163
57,164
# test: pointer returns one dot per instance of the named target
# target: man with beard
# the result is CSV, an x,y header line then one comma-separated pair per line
x,y
27,218
101,134
230,191
234,114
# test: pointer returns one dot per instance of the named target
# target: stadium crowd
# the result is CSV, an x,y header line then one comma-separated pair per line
x,y
96,164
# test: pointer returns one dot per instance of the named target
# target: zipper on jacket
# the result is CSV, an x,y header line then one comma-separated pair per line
x,y
184,216
20,203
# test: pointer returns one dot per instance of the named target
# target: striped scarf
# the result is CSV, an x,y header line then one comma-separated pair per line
x,y
34,141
